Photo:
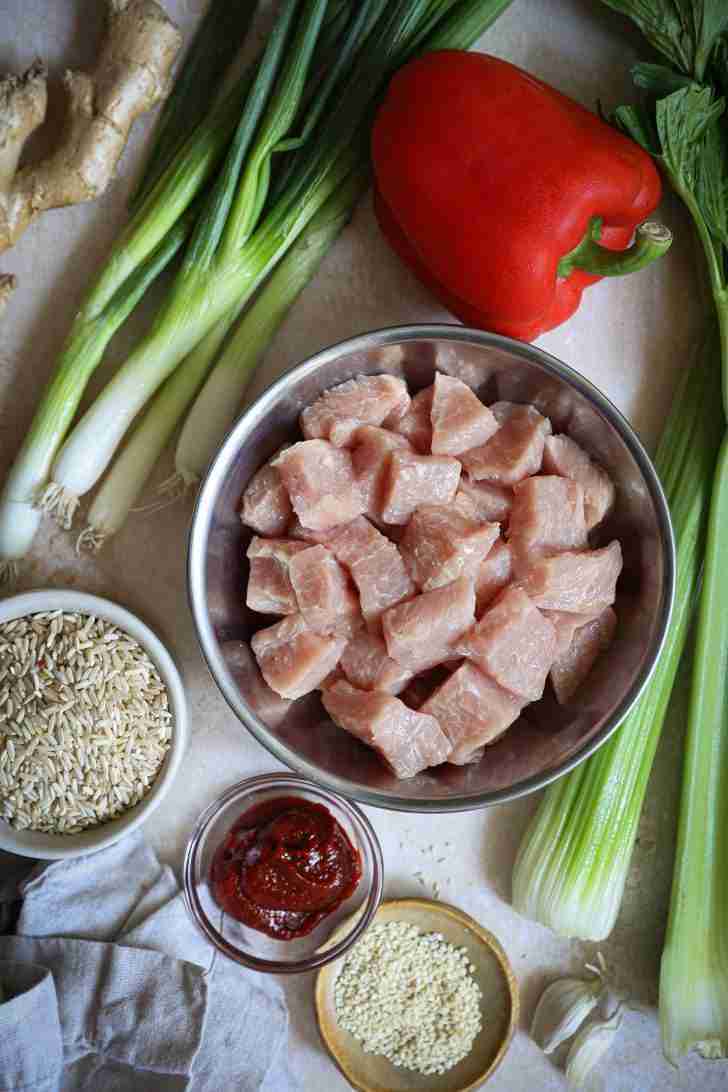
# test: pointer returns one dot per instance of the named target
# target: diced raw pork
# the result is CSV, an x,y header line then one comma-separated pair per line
x,y
515,451
492,503
415,480
305,534
547,517
293,659
376,567
366,400
365,664
423,631
269,585
409,742
471,710
370,458
324,593
575,581
561,455
440,545
493,575
459,419
566,624
588,643
416,425
320,482
514,644
266,505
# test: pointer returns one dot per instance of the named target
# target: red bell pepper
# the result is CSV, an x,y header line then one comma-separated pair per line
x,y
504,196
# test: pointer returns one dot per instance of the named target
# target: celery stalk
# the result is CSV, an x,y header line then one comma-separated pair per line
x,y
694,969
573,860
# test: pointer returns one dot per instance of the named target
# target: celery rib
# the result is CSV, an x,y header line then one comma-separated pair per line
x,y
571,868
694,969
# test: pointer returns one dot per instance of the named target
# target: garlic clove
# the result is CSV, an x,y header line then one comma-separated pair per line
x,y
562,1009
589,1047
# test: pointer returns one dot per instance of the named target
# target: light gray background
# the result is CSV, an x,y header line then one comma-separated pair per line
x,y
631,337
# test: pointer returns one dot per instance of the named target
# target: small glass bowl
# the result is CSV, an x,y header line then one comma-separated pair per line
x,y
248,946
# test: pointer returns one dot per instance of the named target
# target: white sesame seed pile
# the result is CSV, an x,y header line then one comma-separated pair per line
x,y
84,722
409,996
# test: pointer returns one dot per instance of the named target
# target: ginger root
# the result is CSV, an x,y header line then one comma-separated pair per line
x,y
132,75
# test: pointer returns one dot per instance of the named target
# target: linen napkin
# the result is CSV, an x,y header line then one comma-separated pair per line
x,y
113,987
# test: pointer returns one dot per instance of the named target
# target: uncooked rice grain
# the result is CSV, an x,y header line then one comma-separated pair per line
x,y
85,722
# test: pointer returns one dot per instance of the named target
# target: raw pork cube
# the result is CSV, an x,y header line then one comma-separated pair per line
x,y
471,710
588,643
324,593
269,585
365,664
575,581
440,545
320,482
459,419
293,659
416,425
376,567
370,459
418,479
492,503
561,455
566,624
514,644
407,741
515,451
366,400
493,575
266,504
423,631
547,517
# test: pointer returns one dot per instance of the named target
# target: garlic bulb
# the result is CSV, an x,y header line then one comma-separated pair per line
x,y
562,1009
589,1047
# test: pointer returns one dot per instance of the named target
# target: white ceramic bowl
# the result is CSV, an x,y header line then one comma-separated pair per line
x,y
29,843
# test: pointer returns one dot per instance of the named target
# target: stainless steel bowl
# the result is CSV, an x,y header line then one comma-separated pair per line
x,y
547,740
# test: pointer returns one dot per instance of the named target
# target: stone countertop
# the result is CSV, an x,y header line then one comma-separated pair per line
x,y
631,337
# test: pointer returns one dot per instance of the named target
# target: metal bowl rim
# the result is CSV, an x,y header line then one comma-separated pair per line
x,y
258,410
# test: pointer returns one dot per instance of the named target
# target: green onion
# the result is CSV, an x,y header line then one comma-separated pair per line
x,y
216,42
152,232
573,860
217,406
19,519
694,969
209,284
218,403
129,472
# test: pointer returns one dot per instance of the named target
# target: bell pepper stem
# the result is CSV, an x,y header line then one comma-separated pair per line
x,y
651,241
